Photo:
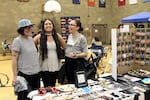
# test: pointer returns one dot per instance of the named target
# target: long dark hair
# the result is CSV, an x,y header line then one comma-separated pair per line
x,y
43,41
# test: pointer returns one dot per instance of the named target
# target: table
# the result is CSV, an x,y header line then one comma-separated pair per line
x,y
102,89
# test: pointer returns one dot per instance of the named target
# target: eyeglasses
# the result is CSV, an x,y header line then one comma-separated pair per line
x,y
28,27
72,25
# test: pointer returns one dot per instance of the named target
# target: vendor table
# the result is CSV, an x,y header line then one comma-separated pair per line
x,y
105,88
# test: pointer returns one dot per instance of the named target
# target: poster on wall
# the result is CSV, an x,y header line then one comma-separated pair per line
x,y
121,2
76,1
146,0
91,3
102,3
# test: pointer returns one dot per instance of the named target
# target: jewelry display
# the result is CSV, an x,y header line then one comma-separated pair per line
x,y
133,46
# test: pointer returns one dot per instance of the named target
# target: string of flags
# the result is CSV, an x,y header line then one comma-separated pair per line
x,y
123,2
92,3
102,3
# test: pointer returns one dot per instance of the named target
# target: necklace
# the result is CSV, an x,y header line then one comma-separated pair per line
x,y
49,34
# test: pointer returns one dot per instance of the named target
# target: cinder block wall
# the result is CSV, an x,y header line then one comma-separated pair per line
x,y
11,11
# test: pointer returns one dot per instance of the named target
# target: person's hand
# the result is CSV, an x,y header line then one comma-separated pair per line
x,y
14,82
73,55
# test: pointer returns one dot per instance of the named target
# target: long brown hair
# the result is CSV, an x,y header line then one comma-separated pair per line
x,y
43,41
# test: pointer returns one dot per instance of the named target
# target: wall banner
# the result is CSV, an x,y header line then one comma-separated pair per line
x,y
146,0
76,1
102,3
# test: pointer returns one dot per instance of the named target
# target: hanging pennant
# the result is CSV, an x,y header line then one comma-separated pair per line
x,y
121,2
91,3
102,3
146,0
76,1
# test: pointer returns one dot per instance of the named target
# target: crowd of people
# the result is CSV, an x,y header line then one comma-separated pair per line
x,y
39,57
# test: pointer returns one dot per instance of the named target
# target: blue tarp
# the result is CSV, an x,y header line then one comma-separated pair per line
x,y
140,17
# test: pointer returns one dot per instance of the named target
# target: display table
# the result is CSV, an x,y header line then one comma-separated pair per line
x,y
105,88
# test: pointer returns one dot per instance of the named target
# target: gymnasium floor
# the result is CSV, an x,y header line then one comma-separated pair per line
x,y
6,92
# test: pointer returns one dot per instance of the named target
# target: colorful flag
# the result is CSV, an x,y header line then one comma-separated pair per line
x,y
76,1
132,2
102,3
146,0
121,2
91,3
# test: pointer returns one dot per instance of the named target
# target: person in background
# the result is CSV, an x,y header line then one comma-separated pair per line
x,y
25,58
5,45
50,45
96,46
96,41
76,50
